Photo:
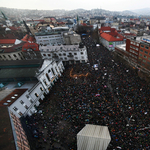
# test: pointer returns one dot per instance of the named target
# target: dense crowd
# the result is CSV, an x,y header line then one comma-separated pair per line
x,y
113,96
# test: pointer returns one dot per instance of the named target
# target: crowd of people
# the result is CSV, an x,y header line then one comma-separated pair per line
x,y
112,95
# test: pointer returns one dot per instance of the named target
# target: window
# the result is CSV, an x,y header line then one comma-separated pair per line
x,y
21,102
31,101
148,63
75,53
49,55
41,88
146,47
20,113
26,106
145,56
142,45
81,53
76,57
64,54
146,52
137,44
140,54
9,56
44,54
4,56
141,50
59,54
144,60
47,49
36,95
14,55
15,108
148,58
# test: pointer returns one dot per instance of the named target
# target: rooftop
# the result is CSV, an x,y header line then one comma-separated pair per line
x,y
12,97
122,46
19,70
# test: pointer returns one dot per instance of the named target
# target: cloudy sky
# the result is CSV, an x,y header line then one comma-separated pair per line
x,y
113,5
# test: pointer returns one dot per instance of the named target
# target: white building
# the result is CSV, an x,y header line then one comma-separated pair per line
x,y
69,54
25,90
93,137
51,37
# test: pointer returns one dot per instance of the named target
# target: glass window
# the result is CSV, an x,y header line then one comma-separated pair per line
x,y
41,88
75,53
146,47
142,45
145,56
36,95
141,50
20,113
144,60
140,54
15,108
26,106
146,52
21,102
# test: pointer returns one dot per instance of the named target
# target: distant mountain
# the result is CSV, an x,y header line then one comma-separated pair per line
x,y
128,12
143,11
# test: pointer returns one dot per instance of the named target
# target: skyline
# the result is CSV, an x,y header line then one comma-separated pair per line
x,y
115,5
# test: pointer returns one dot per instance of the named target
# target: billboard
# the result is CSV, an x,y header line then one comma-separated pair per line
x,y
146,40
110,44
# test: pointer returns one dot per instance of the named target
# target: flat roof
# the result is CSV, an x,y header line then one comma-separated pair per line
x,y
6,138
95,131
17,73
12,97
122,46
21,63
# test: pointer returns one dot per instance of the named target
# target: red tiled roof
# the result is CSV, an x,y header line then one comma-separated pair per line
x,y
111,38
7,41
27,38
53,19
14,28
13,48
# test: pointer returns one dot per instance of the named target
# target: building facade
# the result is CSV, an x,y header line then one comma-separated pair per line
x,y
137,52
109,37
69,54
23,100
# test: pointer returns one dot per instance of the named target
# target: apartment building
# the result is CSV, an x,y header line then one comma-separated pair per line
x,y
137,52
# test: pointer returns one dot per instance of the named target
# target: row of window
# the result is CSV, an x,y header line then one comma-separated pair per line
x,y
133,51
144,51
144,56
3,56
137,44
133,55
146,47
64,54
134,48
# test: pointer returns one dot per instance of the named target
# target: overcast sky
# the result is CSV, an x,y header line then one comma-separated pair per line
x,y
113,5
